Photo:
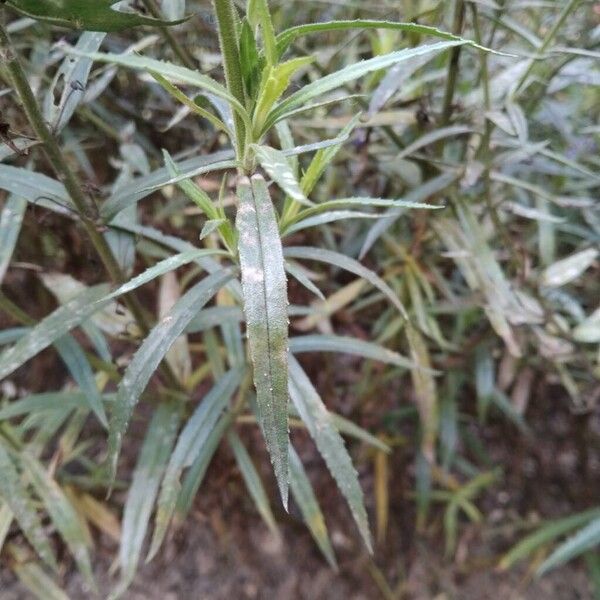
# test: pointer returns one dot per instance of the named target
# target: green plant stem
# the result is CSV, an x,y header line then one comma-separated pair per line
x,y
228,40
459,17
182,54
566,11
484,147
86,208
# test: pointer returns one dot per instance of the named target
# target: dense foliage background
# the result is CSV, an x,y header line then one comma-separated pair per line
x,y
425,177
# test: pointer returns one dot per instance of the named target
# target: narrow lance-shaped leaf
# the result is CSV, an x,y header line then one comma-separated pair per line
x,y
62,513
154,455
151,353
84,15
190,444
74,357
546,534
585,539
352,72
33,576
309,507
252,480
285,38
331,445
349,264
265,306
14,493
79,308
11,219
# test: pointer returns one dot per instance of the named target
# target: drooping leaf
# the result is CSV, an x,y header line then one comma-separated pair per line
x,y
83,15
15,495
265,306
63,515
330,444
82,306
585,539
148,472
190,445
304,495
252,480
349,264
348,345
11,219
150,354
546,534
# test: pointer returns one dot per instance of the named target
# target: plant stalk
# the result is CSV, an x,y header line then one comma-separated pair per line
x,y
566,11
182,54
459,17
86,208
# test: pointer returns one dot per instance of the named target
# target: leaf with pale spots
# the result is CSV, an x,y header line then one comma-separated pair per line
x,y
266,308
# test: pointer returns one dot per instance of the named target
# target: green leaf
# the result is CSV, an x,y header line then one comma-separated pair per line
x,y
249,60
195,475
309,507
191,445
61,511
352,72
276,165
330,444
14,493
259,14
150,354
79,367
275,80
331,216
33,576
43,402
265,306
141,187
348,345
191,104
52,327
252,480
11,219
73,75
348,264
287,37
298,273
585,539
570,268
84,15
149,470
81,307
170,71
546,534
